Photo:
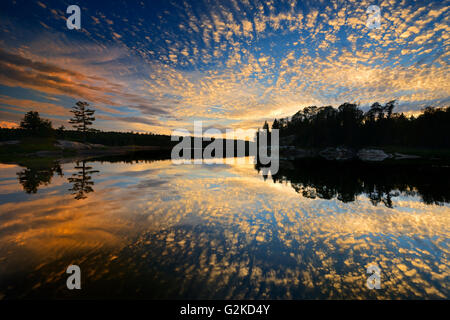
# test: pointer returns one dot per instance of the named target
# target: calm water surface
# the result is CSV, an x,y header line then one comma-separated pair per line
x,y
152,229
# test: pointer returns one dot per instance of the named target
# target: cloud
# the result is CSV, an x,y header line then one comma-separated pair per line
x,y
25,105
8,124
238,63
306,243
50,79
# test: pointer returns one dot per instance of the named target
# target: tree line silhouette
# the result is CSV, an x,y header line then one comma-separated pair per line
x,y
33,125
312,126
348,125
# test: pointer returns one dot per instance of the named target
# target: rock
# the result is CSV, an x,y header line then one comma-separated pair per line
x,y
291,153
47,153
372,155
304,153
401,156
339,153
9,142
65,144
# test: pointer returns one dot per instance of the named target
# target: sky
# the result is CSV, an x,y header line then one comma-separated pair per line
x,y
156,66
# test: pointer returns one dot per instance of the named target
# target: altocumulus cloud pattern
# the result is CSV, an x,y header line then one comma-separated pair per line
x,y
159,65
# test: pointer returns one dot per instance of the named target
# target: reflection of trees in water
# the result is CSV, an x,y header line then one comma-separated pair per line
x,y
35,175
145,156
38,174
82,181
380,182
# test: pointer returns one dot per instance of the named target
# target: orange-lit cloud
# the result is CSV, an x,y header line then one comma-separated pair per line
x,y
8,124
238,70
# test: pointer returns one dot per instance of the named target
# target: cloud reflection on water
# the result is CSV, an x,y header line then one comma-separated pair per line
x,y
216,231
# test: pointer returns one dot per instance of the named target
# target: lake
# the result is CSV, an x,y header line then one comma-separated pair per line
x,y
140,227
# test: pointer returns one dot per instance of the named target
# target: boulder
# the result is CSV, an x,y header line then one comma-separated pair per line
x,y
339,153
372,155
45,153
401,156
292,152
65,144
10,142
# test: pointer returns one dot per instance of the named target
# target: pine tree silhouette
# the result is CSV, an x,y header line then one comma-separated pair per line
x,y
82,181
83,118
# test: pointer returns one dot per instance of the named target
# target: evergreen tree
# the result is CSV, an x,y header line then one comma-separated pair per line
x,y
33,123
276,124
83,118
349,126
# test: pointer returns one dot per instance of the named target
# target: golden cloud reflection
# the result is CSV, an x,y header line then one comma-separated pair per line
x,y
158,230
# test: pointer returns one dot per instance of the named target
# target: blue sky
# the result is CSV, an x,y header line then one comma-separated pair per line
x,y
154,66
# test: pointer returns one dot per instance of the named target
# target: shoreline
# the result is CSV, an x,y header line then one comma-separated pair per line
x,y
64,150
365,154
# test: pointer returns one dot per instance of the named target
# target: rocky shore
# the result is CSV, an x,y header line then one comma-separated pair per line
x,y
65,148
342,154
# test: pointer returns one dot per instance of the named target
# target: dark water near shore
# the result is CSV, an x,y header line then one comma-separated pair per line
x,y
141,227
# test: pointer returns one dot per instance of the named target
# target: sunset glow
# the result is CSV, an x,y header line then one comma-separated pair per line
x,y
161,65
